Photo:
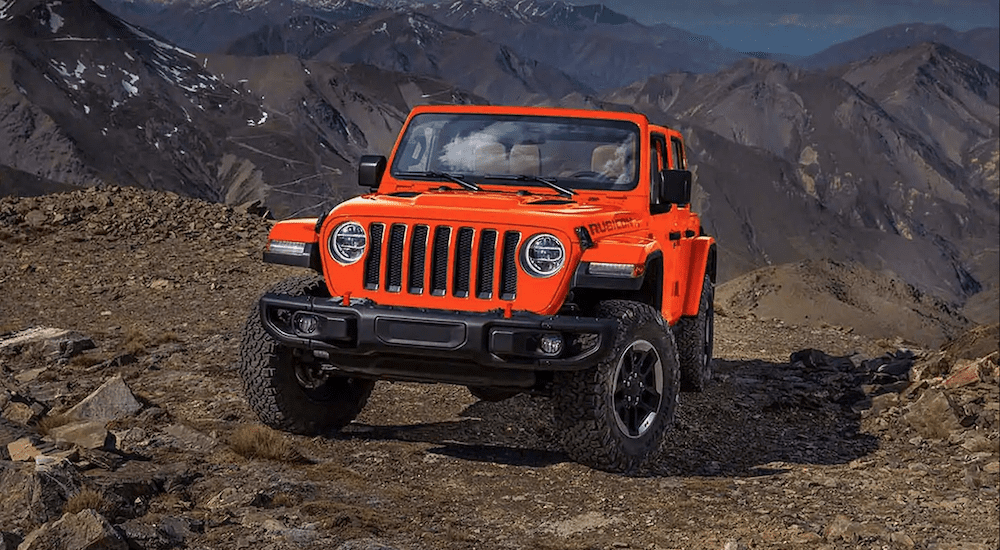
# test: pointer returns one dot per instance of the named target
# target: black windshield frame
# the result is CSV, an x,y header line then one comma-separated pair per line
x,y
575,152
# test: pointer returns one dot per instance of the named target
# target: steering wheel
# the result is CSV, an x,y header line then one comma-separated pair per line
x,y
588,174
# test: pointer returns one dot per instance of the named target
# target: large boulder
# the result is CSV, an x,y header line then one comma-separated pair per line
x,y
85,530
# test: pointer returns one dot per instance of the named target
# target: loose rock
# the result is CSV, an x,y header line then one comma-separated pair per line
x,y
111,401
964,373
935,415
89,435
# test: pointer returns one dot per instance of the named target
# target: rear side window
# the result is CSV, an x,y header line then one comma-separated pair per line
x,y
657,157
680,163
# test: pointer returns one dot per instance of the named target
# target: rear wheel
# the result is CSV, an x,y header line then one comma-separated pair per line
x,y
695,340
614,415
286,387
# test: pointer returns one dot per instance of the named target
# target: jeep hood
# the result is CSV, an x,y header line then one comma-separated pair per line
x,y
500,209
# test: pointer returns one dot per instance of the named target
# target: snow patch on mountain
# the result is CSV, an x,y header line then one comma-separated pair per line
x,y
5,6
260,122
55,20
159,44
129,85
72,79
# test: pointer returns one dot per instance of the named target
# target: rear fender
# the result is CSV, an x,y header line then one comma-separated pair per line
x,y
701,261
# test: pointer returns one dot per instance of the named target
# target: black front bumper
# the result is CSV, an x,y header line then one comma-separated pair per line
x,y
428,345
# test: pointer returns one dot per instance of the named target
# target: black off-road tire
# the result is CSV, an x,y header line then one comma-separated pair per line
x,y
695,338
279,390
614,415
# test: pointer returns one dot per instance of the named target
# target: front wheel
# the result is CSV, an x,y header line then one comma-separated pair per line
x,y
285,387
614,415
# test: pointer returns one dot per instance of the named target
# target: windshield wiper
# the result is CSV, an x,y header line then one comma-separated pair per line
x,y
445,176
551,182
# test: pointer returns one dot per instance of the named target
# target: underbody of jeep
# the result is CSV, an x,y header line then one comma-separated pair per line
x,y
499,248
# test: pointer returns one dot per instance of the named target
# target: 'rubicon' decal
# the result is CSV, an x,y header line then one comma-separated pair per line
x,y
614,224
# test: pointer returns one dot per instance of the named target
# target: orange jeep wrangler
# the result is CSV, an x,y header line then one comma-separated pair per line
x,y
506,249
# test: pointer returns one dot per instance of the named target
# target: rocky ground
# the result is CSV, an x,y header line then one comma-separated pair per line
x,y
123,423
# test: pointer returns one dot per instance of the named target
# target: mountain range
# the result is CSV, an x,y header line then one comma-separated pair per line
x,y
886,156
592,44
898,153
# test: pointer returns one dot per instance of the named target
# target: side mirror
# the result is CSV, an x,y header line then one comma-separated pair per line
x,y
370,170
676,187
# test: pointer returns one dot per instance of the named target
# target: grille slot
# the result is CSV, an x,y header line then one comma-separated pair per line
x,y
463,262
394,263
374,260
418,259
484,266
508,266
439,261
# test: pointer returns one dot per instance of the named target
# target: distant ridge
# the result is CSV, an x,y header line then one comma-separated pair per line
x,y
982,44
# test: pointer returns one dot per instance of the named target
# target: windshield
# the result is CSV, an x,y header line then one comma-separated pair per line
x,y
497,149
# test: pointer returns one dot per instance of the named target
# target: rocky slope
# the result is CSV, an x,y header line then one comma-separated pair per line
x,y
845,294
133,110
413,43
127,428
128,108
591,43
210,26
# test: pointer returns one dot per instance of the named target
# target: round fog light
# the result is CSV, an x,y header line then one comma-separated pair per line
x,y
306,324
551,344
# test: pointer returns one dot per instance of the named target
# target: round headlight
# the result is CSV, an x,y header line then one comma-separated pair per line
x,y
347,242
543,255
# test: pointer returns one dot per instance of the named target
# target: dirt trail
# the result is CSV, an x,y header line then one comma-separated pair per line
x,y
828,451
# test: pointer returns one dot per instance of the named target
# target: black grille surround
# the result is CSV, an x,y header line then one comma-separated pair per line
x,y
441,260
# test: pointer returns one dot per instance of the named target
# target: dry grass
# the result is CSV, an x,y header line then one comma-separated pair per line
x,y
176,361
32,353
282,500
86,360
85,499
347,520
167,337
332,470
136,341
52,421
12,237
255,441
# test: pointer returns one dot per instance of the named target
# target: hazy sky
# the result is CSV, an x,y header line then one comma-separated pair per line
x,y
805,26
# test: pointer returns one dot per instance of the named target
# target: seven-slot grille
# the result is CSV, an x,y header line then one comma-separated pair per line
x,y
441,260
